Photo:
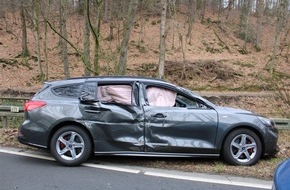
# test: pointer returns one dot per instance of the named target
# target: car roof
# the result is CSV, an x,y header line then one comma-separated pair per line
x,y
107,78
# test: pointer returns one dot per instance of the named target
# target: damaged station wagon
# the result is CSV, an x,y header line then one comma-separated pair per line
x,y
136,116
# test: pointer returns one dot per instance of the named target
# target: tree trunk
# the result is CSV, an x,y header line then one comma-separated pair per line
x,y
260,11
45,15
106,11
25,52
162,39
191,19
36,4
45,49
230,6
86,58
63,42
96,33
172,16
80,8
247,12
203,8
97,38
128,25
244,22
282,10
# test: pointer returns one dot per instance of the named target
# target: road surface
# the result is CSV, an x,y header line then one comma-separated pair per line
x,y
37,171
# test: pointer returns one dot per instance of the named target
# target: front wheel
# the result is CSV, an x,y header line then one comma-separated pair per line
x,y
242,147
71,146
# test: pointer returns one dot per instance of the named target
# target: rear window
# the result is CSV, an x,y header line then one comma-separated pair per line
x,y
70,91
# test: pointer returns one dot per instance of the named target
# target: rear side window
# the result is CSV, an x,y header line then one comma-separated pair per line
x,y
121,94
70,91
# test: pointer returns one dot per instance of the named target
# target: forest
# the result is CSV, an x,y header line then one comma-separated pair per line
x,y
212,45
234,52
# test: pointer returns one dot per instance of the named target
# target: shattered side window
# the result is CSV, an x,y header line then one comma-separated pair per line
x,y
160,96
88,92
70,91
121,94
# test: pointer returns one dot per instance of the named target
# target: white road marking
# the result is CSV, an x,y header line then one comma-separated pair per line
x,y
114,168
26,154
210,180
166,174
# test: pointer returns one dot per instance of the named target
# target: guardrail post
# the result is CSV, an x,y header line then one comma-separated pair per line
x,y
4,121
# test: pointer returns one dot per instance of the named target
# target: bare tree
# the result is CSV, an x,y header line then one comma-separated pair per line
x,y
164,4
191,19
25,51
96,34
106,10
244,22
87,59
260,12
45,13
128,25
63,32
36,11
281,14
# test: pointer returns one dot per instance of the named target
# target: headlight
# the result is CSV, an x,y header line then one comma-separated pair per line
x,y
266,121
269,123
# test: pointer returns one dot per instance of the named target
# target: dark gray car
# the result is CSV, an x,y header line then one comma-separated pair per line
x,y
140,116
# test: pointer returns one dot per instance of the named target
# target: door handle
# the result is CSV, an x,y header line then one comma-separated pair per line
x,y
159,115
92,111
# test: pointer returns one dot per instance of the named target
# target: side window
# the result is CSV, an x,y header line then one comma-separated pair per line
x,y
157,96
89,91
122,94
70,91
182,101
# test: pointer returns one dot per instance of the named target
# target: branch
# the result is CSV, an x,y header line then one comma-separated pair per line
x,y
79,53
75,48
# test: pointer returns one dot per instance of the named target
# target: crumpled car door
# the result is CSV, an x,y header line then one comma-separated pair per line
x,y
116,127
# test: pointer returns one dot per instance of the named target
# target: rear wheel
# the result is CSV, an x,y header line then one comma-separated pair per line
x,y
71,146
242,147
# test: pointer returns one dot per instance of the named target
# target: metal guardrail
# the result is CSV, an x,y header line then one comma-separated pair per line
x,y
10,112
282,123
17,111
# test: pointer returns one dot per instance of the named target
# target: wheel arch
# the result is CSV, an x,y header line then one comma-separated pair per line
x,y
67,123
249,127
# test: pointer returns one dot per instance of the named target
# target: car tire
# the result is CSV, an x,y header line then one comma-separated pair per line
x,y
71,146
242,147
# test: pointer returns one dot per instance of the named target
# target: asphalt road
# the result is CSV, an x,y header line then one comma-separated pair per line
x,y
27,173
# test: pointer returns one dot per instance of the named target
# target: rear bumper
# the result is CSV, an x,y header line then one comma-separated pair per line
x,y
31,134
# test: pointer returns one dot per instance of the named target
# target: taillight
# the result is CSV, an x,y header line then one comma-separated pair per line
x,y
31,105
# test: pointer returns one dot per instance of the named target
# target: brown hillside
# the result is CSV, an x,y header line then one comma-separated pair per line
x,y
214,61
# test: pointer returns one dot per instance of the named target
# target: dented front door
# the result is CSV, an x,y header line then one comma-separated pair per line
x,y
180,130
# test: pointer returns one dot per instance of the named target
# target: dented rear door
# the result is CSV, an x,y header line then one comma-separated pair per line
x,y
115,127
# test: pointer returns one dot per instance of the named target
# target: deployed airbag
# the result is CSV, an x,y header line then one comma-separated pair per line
x,y
115,93
160,97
